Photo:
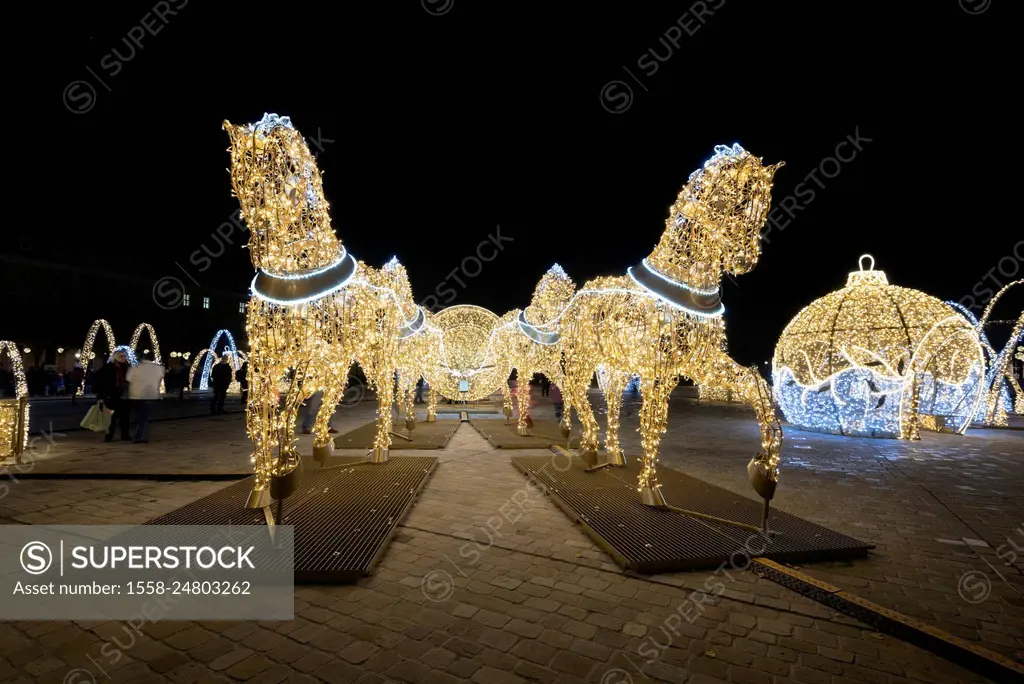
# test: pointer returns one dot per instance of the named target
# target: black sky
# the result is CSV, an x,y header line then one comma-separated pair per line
x,y
445,127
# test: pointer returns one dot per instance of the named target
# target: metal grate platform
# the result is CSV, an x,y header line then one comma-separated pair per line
x,y
426,436
651,540
543,434
344,514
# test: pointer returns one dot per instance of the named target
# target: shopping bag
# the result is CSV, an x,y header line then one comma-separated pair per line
x,y
97,419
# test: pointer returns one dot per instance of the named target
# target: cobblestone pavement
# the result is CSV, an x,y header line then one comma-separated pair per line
x,y
945,513
487,581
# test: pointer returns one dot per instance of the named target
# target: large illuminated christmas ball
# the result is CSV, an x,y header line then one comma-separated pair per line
x,y
879,360
469,367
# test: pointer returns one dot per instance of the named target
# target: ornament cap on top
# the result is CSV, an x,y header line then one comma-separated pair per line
x,y
866,276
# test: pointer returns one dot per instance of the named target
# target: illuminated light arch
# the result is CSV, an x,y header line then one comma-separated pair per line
x,y
136,338
87,349
209,354
14,411
195,366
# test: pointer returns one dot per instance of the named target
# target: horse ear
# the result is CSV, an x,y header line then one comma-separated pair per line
x,y
773,168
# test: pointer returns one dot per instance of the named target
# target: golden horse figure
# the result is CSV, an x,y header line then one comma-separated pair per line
x,y
664,319
530,350
313,309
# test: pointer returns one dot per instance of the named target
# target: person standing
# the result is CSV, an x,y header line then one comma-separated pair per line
x,y
111,391
545,386
242,376
143,392
419,391
221,377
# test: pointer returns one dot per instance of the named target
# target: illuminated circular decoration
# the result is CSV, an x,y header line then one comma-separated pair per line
x,y
875,359
467,353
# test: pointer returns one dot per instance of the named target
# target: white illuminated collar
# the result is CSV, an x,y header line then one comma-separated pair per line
x,y
413,326
706,303
305,286
538,336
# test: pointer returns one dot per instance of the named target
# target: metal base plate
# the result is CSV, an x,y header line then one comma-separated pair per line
x,y
652,540
542,435
344,515
426,436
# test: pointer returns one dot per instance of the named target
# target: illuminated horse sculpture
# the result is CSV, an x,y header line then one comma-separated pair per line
x,y
664,319
530,350
402,357
313,308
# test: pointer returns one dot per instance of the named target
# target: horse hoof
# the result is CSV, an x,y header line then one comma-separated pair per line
x,y
283,486
760,479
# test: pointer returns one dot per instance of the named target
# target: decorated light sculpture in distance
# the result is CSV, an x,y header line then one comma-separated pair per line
x,y
14,410
88,354
874,359
664,319
1002,391
530,350
470,364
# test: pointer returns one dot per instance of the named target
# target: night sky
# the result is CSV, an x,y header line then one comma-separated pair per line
x,y
442,128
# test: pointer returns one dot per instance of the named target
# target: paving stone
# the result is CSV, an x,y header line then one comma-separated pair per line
x,y
489,675
544,590
570,663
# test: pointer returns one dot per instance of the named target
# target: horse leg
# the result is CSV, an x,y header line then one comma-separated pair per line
x,y
523,400
431,404
763,469
323,445
410,403
261,422
577,381
654,392
385,396
613,389
506,400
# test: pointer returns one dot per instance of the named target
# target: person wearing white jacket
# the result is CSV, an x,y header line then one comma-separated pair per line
x,y
143,391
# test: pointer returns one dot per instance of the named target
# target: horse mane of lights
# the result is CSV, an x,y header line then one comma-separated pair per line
x,y
878,360
315,310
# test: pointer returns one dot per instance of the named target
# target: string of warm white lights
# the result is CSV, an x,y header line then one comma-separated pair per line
x,y
14,411
663,320
876,359
315,311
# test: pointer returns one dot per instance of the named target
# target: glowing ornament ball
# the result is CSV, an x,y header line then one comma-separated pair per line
x,y
879,360
470,367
